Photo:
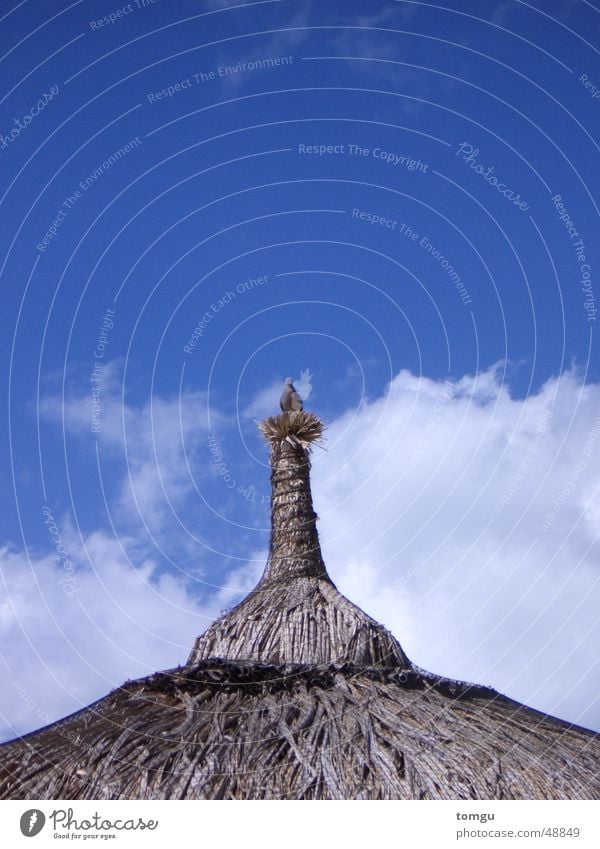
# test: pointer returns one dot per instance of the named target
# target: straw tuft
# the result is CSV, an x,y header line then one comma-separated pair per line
x,y
298,428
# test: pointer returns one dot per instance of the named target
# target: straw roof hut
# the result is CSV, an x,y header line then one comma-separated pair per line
x,y
297,694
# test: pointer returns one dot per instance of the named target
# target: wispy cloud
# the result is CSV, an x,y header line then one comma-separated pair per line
x,y
265,402
155,442
290,35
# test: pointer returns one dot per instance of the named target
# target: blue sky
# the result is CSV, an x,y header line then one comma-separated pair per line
x,y
398,208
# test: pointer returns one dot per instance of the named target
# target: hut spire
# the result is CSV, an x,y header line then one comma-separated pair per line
x,y
294,549
296,614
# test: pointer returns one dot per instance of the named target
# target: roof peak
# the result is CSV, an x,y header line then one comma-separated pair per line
x,y
296,614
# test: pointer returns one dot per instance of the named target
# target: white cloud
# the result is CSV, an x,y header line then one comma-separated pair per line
x,y
98,609
74,628
467,522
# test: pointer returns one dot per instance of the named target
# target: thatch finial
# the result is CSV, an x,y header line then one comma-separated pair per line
x,y
296,427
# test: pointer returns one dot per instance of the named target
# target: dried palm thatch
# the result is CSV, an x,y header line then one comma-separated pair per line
x,y
298,694
233,730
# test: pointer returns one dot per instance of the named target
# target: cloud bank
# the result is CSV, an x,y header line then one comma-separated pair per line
x,y
463,519
467,521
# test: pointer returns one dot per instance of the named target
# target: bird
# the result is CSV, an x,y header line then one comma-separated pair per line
x,y
290,400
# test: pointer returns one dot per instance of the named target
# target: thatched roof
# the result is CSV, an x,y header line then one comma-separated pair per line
x,y
231,730
296,693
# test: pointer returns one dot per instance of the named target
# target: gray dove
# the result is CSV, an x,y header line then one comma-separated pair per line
x,y
290,400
